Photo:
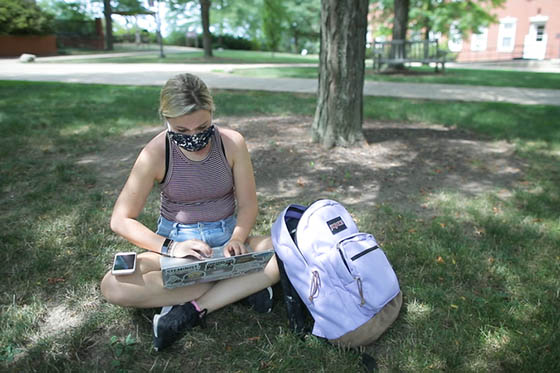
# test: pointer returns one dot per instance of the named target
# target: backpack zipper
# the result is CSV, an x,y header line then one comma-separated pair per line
x,y
344,260
358,279
360,254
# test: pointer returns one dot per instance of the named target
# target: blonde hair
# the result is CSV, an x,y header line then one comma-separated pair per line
x,y
184,94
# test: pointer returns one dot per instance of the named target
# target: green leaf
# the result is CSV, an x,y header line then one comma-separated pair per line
x,y
129,340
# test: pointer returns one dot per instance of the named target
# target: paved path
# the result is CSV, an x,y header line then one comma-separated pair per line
x,y
157,74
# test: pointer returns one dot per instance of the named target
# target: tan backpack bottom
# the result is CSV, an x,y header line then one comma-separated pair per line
x,y
372,330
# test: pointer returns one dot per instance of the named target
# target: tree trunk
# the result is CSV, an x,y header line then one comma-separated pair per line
x,y
339,113
107,11
427,30
221,35
426,45
400,26
206,36
295,34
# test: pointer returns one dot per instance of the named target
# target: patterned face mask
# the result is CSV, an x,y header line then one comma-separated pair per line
x,y
191,143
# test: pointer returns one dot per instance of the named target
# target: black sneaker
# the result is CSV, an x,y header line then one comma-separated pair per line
x,y
171,326
261,301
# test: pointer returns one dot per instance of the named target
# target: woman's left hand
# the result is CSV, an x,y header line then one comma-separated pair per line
x,y
234,247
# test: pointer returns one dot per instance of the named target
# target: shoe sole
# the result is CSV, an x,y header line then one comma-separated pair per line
x,y
155,323
269,289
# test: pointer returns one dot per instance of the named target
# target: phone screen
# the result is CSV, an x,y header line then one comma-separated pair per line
x,y
124,262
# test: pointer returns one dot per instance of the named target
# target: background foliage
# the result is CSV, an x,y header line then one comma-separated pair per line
x,y
21,17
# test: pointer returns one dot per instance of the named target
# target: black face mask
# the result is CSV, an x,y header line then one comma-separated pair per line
x,y
192,143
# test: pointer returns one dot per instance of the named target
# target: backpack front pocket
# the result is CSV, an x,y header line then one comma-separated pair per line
x,y
374,282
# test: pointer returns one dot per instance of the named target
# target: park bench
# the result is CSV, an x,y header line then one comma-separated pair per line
x,y
400,52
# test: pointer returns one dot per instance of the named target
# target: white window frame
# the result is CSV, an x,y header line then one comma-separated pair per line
x,y
507,32
479,41
455,42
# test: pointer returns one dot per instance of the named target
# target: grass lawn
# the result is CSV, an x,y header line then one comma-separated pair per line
x,y
480,278
495,78
220,56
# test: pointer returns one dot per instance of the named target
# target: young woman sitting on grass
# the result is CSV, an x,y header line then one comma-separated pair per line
x,y
208,199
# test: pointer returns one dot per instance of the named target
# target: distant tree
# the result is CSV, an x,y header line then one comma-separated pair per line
x,y
303,21
206,35
122,7
183,17
182,8
273,15
24,17
437,16
466,15
71,10
297,20
339,113
242,17
400,26
108,13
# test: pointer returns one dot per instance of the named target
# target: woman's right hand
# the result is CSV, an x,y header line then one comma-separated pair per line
x,y
197,248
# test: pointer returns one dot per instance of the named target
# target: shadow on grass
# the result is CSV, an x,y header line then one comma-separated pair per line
x,y
401,165
426,191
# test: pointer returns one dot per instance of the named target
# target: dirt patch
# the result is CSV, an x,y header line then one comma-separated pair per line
x,y
400,165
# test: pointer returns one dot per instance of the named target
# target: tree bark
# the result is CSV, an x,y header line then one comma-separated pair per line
x,y
107,11
400,26
206,36
339,113
427,30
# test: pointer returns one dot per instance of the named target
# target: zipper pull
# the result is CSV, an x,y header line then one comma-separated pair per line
x,y
361,291
315,285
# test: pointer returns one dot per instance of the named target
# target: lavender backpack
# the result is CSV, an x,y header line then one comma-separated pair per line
x,y
340,274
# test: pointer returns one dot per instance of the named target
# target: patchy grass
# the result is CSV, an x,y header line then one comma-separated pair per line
x,y
494,78
480,274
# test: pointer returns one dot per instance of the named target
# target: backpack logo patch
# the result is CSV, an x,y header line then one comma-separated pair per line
x,y
336,225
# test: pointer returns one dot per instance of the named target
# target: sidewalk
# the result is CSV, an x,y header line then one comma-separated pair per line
x,y
157,74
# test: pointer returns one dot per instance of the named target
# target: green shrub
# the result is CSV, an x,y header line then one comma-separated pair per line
x,y
232,42
24,17
129,36
176,37
224,41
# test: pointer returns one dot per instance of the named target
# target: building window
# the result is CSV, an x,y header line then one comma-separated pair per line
x,y
540,32
455,43
506,34
479,41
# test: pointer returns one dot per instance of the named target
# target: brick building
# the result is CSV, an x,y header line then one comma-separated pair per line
x,y
526,29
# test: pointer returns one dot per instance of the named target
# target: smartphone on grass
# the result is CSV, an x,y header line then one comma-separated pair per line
x,y
124,263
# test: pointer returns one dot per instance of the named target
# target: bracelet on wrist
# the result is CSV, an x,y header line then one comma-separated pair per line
x,y
167,247
172,248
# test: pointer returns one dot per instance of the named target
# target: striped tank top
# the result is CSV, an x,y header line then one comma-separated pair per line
x,y
197,191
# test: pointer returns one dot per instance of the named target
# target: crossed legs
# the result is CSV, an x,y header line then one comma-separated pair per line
x,y
144,288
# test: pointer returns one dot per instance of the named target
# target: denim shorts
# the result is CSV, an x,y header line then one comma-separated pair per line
x,y
216,234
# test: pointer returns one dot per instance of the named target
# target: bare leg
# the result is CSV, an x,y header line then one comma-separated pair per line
x,y
234,289
144,288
